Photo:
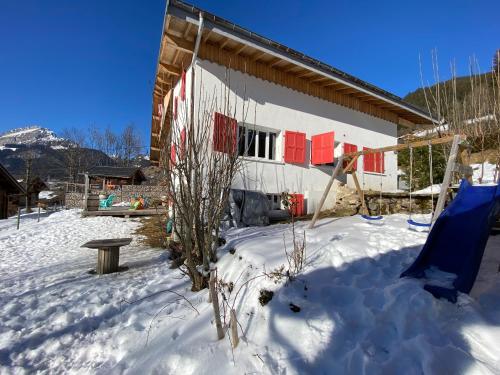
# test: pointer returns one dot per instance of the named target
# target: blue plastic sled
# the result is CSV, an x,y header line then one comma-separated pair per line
x,y
458,238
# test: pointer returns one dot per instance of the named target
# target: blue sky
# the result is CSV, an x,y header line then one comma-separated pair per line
x,y
74,63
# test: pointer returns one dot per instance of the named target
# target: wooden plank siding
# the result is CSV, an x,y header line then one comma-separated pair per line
x,y
244,64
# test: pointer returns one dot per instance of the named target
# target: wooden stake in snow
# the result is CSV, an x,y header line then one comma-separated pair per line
x,y
234,329
18,216
215,303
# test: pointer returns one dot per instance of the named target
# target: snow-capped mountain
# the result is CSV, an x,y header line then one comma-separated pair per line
x,y
48,152
32,135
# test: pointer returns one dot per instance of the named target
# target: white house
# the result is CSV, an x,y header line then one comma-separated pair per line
x,y
303,113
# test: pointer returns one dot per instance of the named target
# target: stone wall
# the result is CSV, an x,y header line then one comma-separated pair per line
x,y
73,200
348,202
123,194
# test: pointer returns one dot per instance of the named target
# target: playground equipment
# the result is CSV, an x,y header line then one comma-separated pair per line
x,y
458,238
412,223
108,202
379,218
452,166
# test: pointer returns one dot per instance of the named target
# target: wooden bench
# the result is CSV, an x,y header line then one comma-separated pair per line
x,y
108,255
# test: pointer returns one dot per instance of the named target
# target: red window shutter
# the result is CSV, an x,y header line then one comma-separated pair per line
x,y
322,148
300,152
172,155
297,204
175,108
183,143
289,146
348,147
295,147
225,131
183,85
368,162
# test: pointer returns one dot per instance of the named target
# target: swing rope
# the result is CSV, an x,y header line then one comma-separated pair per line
x,y
366,216
410,221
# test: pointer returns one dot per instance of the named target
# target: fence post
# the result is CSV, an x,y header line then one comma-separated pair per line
x,y
18,216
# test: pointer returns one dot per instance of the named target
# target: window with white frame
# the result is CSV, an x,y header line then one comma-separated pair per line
x,y
257,142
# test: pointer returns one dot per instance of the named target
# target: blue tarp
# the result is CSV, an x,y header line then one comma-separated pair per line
x,y
457,240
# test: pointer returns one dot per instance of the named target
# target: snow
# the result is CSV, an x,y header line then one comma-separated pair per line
x,y
7,148
488,179
47,194
489,173
357,316
434,189
22,131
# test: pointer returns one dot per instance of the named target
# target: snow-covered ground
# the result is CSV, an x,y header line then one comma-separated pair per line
x,y
356,315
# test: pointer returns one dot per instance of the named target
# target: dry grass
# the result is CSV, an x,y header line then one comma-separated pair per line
x,y
490,156
153,231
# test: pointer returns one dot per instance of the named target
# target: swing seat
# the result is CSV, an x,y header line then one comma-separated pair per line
x,y
367,217
417,224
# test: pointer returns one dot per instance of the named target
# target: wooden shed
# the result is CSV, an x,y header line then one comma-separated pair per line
x,y
10,190
105,176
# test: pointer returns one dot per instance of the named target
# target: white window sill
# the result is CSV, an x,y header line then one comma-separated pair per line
x,y
374,173
261,160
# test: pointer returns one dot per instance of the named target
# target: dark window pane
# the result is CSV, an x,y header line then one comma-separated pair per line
x,y
251,142
262,144
272,145
241,141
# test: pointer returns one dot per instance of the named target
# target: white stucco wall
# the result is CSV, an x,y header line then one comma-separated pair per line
x,y
276,107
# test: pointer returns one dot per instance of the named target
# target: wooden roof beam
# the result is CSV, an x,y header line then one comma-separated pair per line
x,y
171,69
180,44
239,50
257,55
305,74
277,61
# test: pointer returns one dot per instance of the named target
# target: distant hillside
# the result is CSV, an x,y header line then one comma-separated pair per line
x,y
50,154
463,89
47,150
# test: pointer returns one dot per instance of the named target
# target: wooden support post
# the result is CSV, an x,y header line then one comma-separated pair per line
x,y
335,173
361,193
447,177
18,216
86,192
108,260
215,303
234,329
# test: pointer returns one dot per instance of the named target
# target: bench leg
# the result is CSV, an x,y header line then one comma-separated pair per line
x,y
108,260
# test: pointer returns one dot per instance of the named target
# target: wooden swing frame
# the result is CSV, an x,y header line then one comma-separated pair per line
x,y
458,161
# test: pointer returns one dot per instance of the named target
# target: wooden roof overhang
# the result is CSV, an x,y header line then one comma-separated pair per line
x,y
230,45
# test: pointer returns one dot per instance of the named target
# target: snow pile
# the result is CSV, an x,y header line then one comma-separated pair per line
x,y
489,173
47,194
488,179
434,189
356,315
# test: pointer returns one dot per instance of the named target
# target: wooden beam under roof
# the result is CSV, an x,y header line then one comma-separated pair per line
x,y
257,55
224,43
188,29
180,44
171,69
275,62
319,79
305,74
332,83
240,49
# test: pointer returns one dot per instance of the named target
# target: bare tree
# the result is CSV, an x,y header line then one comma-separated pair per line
x,y
203,163
74,155
475,115
131,144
